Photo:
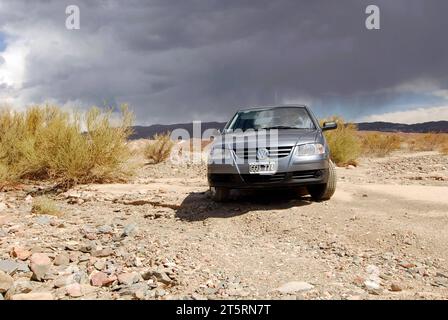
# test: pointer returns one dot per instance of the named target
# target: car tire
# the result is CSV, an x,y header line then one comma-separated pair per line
x,y
219,194
324,191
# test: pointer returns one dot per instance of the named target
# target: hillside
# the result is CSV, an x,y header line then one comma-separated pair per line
x,y
433,126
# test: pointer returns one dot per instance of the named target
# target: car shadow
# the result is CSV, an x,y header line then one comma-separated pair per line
x,y
198,206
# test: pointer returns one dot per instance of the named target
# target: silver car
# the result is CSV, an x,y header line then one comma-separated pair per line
x,y
272,147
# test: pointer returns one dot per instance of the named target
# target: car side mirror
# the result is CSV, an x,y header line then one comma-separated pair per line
x,y
329,125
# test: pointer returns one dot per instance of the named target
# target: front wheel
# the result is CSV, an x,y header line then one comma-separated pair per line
x,y
220,194
324,191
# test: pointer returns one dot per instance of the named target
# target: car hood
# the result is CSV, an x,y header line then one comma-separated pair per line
x,y
288,137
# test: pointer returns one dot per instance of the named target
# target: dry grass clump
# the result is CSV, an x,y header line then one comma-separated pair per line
x,y
380,145
160,149
44,205
444,149
428,142
48,143
345,146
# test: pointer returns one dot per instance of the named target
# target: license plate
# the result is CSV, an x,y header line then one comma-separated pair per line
x,y
263,167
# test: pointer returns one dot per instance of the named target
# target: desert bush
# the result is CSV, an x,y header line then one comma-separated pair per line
x,y
380,145
160,149
444,149
345,146
428,142
44,205
48,143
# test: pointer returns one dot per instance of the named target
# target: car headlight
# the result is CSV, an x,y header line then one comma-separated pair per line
x,y
309,149
220,155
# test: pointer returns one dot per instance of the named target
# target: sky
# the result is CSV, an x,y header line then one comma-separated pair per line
x,y
178,61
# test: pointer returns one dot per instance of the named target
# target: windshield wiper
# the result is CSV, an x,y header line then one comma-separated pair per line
x,y
278,127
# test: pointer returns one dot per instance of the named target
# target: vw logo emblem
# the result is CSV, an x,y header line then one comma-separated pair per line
x,y
262,154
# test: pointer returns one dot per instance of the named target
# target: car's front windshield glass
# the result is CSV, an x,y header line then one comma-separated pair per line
x,y
275,118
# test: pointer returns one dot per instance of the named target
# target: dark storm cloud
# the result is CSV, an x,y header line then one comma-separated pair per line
x,y
183,60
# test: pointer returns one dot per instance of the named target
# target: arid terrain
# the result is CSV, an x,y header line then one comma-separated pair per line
x,y
383,235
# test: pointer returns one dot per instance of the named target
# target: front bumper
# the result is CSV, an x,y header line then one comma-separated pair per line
x,y
289,174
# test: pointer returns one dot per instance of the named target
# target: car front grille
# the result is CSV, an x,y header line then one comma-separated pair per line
x,y
258,178
274,152
308,174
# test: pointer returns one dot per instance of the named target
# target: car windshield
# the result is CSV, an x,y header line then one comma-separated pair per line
x,y
275,118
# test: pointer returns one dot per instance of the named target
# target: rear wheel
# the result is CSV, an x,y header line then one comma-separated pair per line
x,y
324,191
220,194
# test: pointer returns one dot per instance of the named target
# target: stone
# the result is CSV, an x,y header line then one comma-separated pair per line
x,y
105,229
86,248
372,285
100,265
81,277
74,256
103,253
84,257
22,267
20,253
61,259
40,264
160,276
74,290
294,286
136,290
91,236
43,220
6,282
372,269
139,294
395,287
8,266
159,293
33,296
129,230
128,278
137,262
100,279
60,282
65,280
407,265
3,233
19,286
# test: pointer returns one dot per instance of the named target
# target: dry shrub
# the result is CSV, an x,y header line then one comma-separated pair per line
x,y
428,142
160,149
345,146
444,149
380,145
44,205
48,143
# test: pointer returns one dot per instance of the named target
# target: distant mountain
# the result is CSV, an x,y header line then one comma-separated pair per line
x,y
433,126
149,131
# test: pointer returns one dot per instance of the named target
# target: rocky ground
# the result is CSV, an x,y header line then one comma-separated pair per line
x,y
382,236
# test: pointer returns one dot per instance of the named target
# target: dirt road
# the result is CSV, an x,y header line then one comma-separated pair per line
x,y
384,235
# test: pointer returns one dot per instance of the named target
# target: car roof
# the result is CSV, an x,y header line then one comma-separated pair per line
x,y
273,107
